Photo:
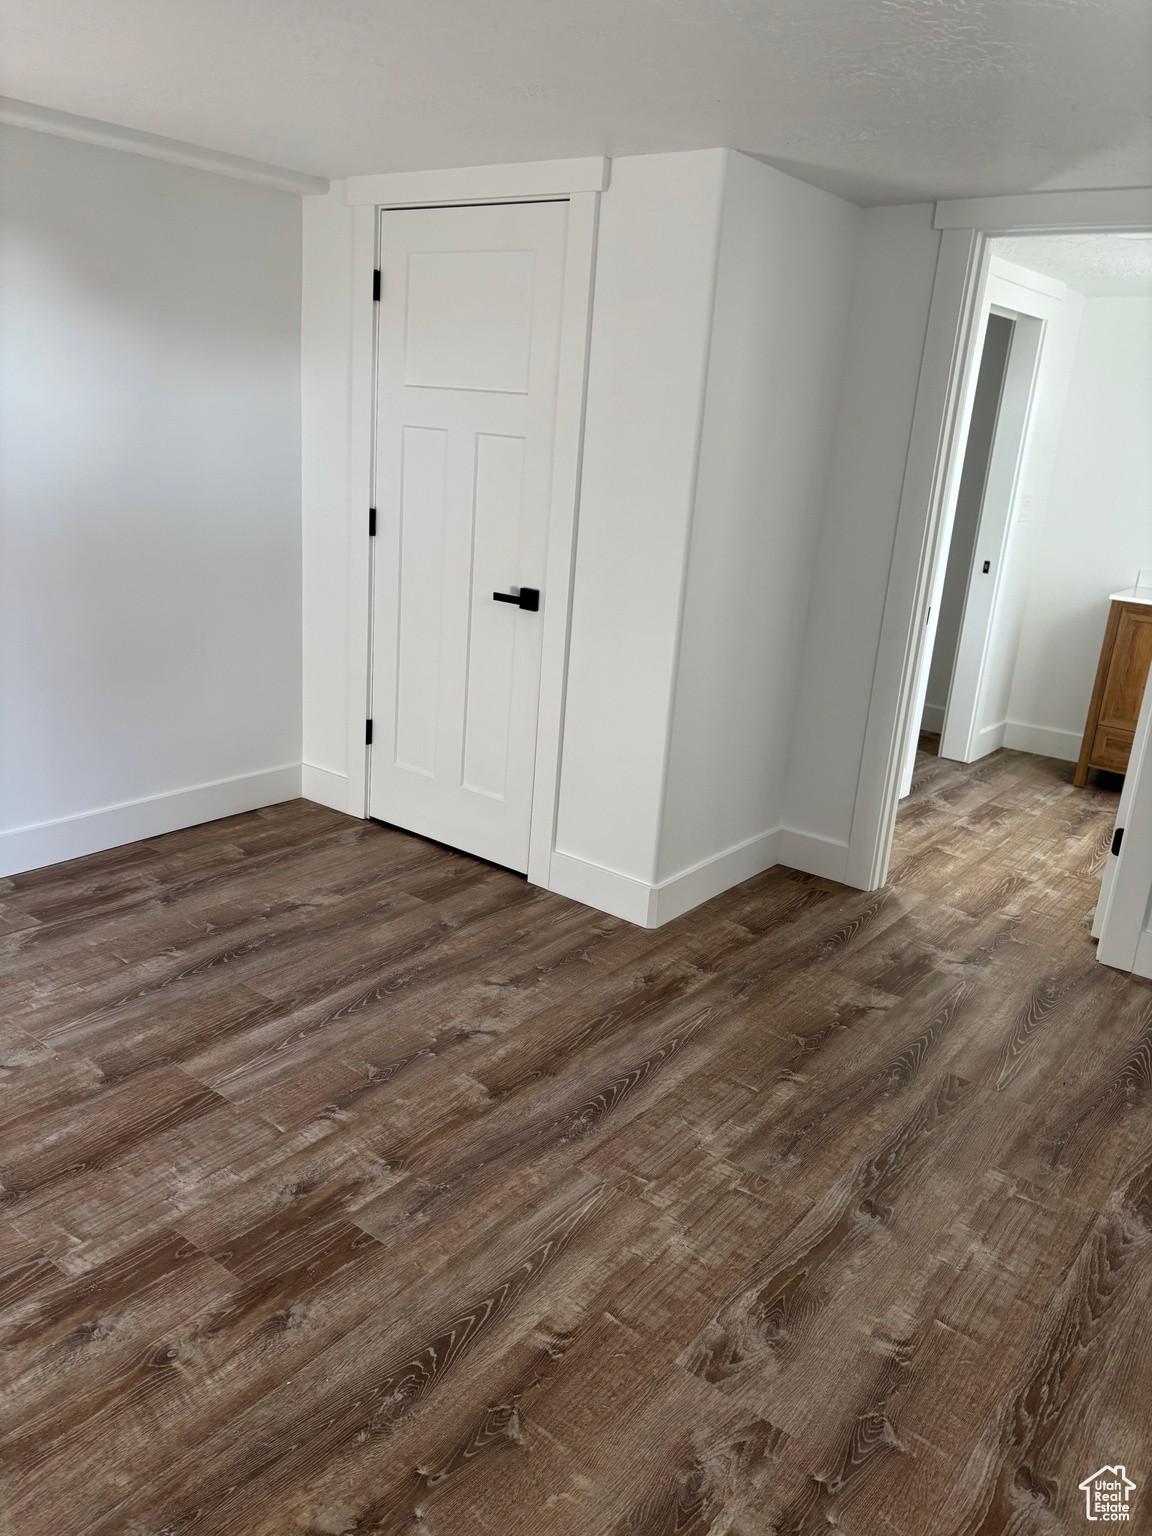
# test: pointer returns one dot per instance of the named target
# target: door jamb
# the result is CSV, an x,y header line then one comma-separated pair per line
x,y
939,426
580,182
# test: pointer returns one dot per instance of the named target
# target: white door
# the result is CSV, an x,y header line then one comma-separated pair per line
x,y
976,714
1124,911
468,355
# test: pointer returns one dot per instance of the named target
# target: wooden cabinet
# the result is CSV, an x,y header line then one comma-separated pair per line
x,y
1124,660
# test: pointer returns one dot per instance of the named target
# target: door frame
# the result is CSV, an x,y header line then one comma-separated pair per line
x,y
579,183
1019,295
940,420
1005,286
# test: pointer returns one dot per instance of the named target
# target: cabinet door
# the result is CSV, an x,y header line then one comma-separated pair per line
x,y
1127,669
1110,749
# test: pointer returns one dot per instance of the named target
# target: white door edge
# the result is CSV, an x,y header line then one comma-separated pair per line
x,y
1122,913
1015,417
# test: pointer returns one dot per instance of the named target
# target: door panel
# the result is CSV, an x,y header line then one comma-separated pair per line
x,y
496,542
977,699
420,559
468,359
1111,748
469,319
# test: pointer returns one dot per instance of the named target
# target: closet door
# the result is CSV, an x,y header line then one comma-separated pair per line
x,y
468,358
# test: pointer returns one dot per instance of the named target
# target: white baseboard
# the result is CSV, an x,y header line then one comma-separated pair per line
x,y
1044,740
650,906
601,888
823,856
679,894
324,786
1104,900
990,739
51,842
933,717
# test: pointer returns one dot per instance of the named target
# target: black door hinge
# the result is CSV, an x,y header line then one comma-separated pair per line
x,y
371,522
376,285
367,733
1117,839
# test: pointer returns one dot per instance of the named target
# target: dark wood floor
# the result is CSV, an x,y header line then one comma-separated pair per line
x,y
353,1186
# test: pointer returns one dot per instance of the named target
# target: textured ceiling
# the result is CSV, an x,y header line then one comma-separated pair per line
x,y
1100,266
880,100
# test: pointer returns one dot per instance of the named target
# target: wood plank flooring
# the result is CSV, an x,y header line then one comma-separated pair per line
x,y
349,1185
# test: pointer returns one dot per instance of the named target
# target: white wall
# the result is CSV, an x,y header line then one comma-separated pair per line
x,y
1096,531
325,375
721,304
651,328
782,293
149,497
888,318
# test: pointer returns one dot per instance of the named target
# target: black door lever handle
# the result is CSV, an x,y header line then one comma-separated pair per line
x,y
529,599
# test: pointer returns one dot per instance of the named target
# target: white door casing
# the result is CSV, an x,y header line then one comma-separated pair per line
x,y
468,360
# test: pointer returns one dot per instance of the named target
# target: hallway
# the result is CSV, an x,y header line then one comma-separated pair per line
x,y
352,1185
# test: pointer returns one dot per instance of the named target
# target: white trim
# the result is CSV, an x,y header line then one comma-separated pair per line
x,y
826,857
1104,900
1043,740
479,183
603,889
324,787
361,469
682,892
651,906
1099,208
932,718
568,440
1142,960
66,125
990,738
1033,282
72,837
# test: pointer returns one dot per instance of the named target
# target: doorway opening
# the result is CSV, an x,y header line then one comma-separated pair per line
x,y
1038,633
